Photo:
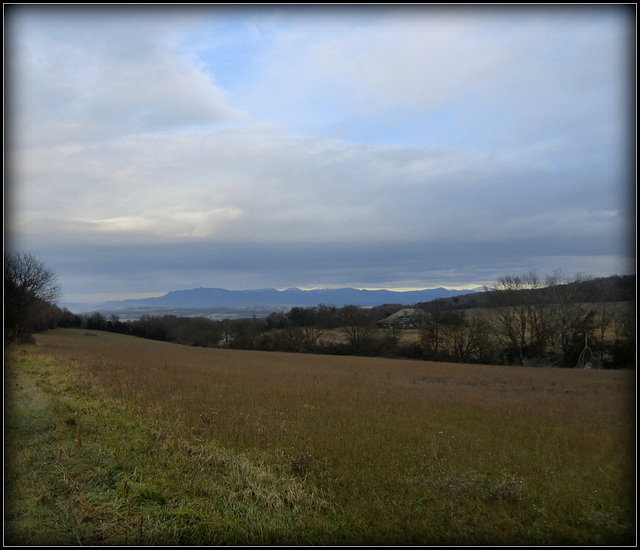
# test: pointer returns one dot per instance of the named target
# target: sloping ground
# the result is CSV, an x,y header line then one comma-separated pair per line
x,y
208,446
81,470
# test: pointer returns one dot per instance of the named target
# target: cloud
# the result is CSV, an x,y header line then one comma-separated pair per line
x,y
448,75
160,267
417,59
166,224
253,185
318,146
79,77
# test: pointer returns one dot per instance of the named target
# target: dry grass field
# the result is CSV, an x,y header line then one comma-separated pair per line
x,y
353,450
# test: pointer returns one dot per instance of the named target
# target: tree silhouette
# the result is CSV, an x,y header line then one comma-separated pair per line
x,y
27,283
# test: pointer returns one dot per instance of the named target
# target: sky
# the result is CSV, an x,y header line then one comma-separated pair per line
x,y
159,148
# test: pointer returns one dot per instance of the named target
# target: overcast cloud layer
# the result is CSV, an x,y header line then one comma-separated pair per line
x,y
162,148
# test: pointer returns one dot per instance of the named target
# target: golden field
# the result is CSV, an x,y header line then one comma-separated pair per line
x,y
378,451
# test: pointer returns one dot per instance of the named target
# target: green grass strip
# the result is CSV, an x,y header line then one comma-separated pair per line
x,y
83,469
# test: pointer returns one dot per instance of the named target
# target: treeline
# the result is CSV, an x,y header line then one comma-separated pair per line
x,y
533,289
565,325
526,320
521,320
564,322
301,329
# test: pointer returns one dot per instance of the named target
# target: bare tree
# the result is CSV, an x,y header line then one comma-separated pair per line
x,y
463,338
431,328
521,315
358,328
574,319
27,282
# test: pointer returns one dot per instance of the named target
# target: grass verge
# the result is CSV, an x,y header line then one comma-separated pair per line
x,y
82,469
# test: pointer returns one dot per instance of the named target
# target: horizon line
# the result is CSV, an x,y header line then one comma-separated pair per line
x,y
92,298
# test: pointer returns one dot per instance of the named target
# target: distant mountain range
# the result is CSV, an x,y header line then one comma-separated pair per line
x,y
203,298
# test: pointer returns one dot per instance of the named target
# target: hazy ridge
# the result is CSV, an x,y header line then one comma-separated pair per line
x,y
206,298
